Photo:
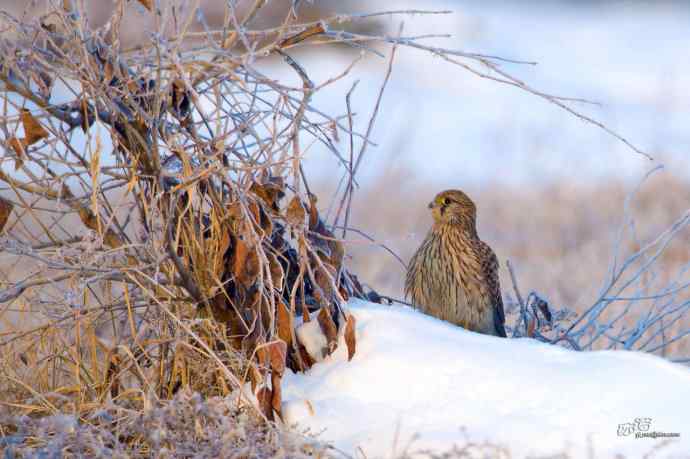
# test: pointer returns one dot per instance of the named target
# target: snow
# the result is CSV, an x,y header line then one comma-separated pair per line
x,y
415,375
314,342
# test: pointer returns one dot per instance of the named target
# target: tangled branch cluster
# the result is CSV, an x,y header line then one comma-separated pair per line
x,y
178,246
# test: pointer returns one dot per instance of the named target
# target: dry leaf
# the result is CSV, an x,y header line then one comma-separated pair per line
x,y
223,246
148,4
323,278
108,72
44,83
307,360
350,339
262,356
329,329
277,274
5,211
276,401
33,132
245,263
112,240
277,354
18,145
295,213
266,223
285,323
180,99
88,218
313,212
328,246
255,377
270,193
32,128
344,293
265,398
531,326
85,120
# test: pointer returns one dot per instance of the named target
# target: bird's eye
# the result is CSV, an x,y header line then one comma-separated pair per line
x,y
446,201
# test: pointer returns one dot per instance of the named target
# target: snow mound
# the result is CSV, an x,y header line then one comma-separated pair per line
x,y
415,375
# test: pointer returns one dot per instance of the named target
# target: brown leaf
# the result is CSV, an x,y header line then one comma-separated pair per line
x,y
276,401
255,377
180,99
223,246
245,263
313,212
262,356
295,213
88,218
265,398
33,132
148,4
305,314
337,253
108,72
328,246
254,329
329,329
5,211
265,222
285,323
270,192
323,278
531,326
111,375
277,274
32,128
344,293
19,147
111,239
277,354
235,215
85,118
307,360
350,339
44,83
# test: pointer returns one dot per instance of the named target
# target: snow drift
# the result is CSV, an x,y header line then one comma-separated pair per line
x,y
414,375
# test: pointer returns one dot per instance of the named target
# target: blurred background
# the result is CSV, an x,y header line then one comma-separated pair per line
x,y
550,189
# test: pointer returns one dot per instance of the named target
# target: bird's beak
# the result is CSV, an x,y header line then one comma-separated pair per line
x,y
431,205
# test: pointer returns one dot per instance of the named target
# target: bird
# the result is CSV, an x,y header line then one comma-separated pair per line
x,y
453,275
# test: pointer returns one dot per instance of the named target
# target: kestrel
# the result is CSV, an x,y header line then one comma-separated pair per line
x,y
454,275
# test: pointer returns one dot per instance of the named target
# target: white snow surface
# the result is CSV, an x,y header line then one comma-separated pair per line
x,y
413,375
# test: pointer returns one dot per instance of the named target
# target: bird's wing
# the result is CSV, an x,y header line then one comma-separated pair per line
x,y
490,268
413,272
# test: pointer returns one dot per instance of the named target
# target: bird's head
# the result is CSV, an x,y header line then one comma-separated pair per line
x,y
454,207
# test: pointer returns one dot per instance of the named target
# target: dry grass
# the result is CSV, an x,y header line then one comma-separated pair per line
x,y
188,425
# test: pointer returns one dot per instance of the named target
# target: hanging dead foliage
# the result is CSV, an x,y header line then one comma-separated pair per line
x,y
180,246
